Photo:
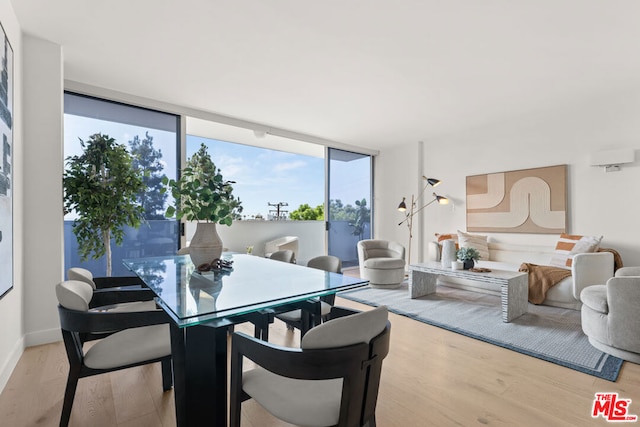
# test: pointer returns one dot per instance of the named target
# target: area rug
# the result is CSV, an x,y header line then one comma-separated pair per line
x,y
548,333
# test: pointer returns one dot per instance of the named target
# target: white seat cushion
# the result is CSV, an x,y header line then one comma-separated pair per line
x,y
299,402
296,315
127,307
595,297
130,346
384,263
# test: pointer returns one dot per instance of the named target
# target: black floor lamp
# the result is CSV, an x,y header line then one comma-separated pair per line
x,y
410,211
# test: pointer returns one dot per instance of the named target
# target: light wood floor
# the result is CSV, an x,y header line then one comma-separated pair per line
x,y
431,377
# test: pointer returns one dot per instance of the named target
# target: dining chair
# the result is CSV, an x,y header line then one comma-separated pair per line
x,y
293,318
331,380
142,297
131,338
82,274
286,255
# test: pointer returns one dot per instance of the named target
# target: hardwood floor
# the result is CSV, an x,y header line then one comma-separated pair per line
x,y
431,377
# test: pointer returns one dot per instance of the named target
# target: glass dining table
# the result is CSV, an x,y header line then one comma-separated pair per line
x,y
203,305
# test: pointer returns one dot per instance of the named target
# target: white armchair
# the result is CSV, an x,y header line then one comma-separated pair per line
x,y
610,314
381,262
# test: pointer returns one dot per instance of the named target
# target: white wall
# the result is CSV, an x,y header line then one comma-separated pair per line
x,y
11,305
43,165
599,203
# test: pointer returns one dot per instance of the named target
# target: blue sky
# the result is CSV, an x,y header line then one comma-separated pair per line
x,y
266,176
262,175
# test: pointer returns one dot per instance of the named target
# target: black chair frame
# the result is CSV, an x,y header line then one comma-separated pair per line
x,y
359,365
311,314
81,326
119,282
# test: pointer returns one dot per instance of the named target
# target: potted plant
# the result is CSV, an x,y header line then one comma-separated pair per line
x,y
201,194
468,256
101,186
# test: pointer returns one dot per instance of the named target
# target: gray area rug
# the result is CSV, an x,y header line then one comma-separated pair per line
x,y
548,333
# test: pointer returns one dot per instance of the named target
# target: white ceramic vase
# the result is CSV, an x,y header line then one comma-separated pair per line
x,y
206,244
448,253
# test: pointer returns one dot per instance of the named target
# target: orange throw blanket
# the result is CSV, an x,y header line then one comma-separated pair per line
x,y
541,279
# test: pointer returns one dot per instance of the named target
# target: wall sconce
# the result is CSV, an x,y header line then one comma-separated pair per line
x,y
411,210
611,160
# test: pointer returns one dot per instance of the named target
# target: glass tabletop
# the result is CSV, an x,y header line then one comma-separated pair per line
x,y
253,283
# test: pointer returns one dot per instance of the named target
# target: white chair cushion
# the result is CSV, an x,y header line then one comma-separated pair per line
x,y
130,346
127,307
299,402
384,263
595,297
74,294
348,330
82,274
296,315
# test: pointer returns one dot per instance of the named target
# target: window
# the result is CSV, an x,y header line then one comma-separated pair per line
x,y
271,184
153,137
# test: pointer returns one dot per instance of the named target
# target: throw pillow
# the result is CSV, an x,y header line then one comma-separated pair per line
x,y
570,244
450,236
476,241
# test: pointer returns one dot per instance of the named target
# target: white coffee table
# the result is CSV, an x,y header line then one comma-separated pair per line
x,y
514,286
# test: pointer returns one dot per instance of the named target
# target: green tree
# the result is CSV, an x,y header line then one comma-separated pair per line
x,y
307,213
201,193
101,186
147,160
339,212
362,218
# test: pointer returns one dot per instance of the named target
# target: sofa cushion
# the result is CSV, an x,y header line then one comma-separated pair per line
x,y
568,245
476,241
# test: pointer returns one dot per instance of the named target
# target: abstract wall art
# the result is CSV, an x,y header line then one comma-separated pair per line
x,y
521,201
6,164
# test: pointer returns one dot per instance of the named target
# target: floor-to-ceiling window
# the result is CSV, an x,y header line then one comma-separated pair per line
x,y
349,195
153,138
272,184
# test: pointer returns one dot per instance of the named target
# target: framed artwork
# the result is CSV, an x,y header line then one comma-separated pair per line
x,y
521,201
6,164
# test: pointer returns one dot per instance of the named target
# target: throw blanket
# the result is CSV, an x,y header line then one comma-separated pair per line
x,y
541,279
617,259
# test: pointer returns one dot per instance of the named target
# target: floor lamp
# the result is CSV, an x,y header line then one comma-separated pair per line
x,y
410,211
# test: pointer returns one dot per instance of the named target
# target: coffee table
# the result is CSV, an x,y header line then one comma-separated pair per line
x,y
514,286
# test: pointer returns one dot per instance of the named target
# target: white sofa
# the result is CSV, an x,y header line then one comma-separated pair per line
x,y
587,269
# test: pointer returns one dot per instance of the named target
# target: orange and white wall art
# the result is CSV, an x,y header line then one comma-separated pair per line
x,y
522,201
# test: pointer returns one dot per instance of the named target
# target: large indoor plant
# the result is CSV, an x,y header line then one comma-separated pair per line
x,y
201,194
101,188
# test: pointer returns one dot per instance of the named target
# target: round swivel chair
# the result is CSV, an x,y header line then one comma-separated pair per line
x,y
381,263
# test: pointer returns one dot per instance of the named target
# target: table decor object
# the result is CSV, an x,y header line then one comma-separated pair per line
x,y
468,256
201,194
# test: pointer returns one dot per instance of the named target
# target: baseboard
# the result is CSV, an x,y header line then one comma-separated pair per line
x,y
42,337
10,363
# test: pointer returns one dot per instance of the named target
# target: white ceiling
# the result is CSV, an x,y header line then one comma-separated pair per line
x,y
363,72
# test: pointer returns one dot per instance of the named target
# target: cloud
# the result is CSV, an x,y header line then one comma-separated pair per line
x,y
283,167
